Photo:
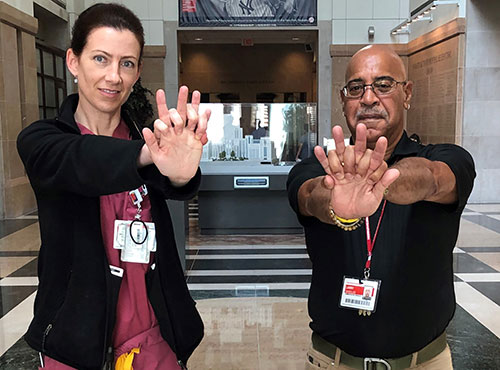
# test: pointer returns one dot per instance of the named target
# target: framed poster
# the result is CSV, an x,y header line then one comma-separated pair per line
x,y
210,13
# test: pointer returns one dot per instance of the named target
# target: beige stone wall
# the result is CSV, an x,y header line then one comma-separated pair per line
x,y
153,70
18,106
270,68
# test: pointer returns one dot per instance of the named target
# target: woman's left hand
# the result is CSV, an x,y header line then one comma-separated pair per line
x,y
179,135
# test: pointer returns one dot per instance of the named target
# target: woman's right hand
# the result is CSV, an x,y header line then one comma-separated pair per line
x,y
176,145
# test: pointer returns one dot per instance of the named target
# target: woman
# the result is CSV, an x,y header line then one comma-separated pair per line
x,y
111,289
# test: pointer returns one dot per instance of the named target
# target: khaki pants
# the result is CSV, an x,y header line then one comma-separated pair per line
x,y
320,361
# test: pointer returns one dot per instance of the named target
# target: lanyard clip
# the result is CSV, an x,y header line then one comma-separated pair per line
x,y
366,273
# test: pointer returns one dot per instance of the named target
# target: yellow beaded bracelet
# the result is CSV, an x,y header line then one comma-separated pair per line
x,y
345,224
346,220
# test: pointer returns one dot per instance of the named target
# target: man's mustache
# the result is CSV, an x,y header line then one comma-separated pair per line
x,y
363,113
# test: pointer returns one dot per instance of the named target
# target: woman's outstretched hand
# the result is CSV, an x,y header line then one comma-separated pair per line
x,y
176,145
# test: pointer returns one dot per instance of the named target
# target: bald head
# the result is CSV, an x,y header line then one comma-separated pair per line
x,y
380,54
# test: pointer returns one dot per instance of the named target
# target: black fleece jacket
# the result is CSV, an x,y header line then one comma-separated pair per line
x,y
75,305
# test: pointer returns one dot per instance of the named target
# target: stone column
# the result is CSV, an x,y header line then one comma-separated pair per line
x,y
18,106
481,135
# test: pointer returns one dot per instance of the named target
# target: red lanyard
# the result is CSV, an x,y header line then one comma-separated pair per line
x,y
369,242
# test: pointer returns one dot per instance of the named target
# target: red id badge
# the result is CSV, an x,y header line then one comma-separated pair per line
x,y
360,294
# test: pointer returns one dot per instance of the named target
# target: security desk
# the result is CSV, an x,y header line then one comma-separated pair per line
x,y
245,198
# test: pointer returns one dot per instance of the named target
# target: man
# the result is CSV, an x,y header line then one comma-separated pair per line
x,y
381,215
259,131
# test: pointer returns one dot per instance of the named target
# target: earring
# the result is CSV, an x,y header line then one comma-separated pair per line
x,y
75,80
407,106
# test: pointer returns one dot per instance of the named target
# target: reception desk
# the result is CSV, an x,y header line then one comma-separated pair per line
x,y
245,197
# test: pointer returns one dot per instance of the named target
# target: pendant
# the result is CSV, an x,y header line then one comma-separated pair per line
x,y
364,312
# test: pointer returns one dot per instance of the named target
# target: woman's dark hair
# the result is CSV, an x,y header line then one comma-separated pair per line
x,y
138,105
105,15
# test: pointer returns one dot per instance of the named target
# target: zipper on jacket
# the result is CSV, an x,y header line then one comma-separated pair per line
x,y
108,365
45,333
107,348
182,365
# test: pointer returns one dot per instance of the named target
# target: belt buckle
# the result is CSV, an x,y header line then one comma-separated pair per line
x,y
371,360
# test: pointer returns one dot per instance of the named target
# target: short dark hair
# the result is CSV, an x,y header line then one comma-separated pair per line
x,y
105,15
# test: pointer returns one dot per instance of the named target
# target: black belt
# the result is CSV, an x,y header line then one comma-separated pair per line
x,y
430,351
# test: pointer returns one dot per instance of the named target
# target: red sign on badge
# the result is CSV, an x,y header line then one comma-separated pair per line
x,y
189,6
354,289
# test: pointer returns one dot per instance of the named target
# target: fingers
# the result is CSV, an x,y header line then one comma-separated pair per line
x,y
330,164
150,139
160,129
338,136
360,144
192,110
322,159
204,139
177,121
161,103
195,100
336,167
377,166
182,99
378,153
377,174
387,179
201,129
192,117
364,164
328,182
349,162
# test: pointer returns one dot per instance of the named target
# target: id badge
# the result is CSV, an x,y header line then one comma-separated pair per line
x,y
130,250
360,294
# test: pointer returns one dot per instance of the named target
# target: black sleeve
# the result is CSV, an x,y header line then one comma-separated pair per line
x,y
89,165
307,169
460,163
153,178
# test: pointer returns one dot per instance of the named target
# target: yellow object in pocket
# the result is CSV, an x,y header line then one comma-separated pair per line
x,y
124,362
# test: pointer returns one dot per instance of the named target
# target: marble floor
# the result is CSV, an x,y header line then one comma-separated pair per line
x,y
251,292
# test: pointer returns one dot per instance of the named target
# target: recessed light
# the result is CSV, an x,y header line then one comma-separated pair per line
x,y
295,38
198,39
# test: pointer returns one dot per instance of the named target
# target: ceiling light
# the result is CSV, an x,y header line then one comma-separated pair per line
x,y
422,14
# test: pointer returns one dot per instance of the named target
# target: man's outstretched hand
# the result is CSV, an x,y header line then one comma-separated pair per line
x,y
355,175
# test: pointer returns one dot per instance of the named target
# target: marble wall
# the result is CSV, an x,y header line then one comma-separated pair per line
x,y
481,135
18,105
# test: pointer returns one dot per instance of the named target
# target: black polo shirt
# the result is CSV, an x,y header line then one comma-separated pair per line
x,y
412,257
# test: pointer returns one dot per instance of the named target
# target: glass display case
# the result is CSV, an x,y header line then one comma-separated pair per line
x,y
260,133
245,165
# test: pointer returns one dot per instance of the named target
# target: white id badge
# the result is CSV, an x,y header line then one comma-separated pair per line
x,y
360,294
134,241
